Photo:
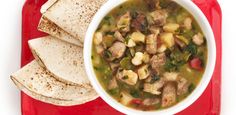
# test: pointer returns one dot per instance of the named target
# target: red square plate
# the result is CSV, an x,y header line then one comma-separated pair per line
x,y
207,104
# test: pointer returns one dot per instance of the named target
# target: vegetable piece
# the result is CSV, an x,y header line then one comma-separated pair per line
x,y
136,101
123,23
143,72
154,88
108,41
171,76
125,63
125,98
183,39
131,43
162,48
198,39
168,95
119,36
168,39
138,37
151,44
146,57
134,93
182,86
171,27
98,37
188,23
137,60
117,49
196,64
128,76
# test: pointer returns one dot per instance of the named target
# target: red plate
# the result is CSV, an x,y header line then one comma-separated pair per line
x,y
207,104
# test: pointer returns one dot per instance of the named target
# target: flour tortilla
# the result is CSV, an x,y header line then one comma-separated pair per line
x,y
63,60
40,84
52,29
73,16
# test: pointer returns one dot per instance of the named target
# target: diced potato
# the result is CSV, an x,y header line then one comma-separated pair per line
x,y
171,27
125,98
146,57
131,43
188,23
138,37
168,39
143,72
129,77
98,37
154,88
137,60
162,48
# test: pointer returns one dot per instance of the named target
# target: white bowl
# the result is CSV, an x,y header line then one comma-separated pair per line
x,y
202,21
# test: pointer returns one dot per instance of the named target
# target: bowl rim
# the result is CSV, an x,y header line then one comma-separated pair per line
x,y
211,59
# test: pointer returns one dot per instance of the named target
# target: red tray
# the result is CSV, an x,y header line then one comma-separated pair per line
x,y
207,104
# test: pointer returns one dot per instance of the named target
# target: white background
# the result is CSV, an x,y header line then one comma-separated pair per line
x,y
10,45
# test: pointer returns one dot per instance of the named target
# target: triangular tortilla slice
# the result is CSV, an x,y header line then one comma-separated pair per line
x,y
73,16
40,84
63,60
52,29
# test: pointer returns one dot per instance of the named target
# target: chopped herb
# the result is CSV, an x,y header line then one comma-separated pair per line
x,y
114,91
107,54
191,88
134,93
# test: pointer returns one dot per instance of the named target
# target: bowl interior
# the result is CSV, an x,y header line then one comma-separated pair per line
x,y
203,23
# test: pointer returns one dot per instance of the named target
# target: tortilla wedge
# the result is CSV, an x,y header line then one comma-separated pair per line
x,y
49,27
73,16
63,60
40,84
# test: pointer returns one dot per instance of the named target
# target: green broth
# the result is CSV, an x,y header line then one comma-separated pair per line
x,y
104,71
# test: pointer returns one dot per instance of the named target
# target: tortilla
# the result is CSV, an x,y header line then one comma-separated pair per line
x,y
63,60
40,84
49,27
73,16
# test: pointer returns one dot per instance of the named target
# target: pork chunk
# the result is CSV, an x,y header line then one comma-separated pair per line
x,y
157,61
159,17
154,88
151,44
168,95
117,49
182,86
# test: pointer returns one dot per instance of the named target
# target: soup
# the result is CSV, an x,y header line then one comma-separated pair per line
x,y
149,54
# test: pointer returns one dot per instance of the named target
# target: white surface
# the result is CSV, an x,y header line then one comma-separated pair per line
x,y
10,34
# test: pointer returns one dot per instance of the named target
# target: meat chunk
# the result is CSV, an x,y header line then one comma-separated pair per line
x,y
157,61
114,66
124,23
159,17
112,84
127,76
154,88
151,44
182,86
119,36
198,39
151,101
168,95
153,4
117,49
139,22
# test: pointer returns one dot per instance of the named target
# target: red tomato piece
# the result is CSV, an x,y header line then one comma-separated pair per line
x,y
196,63
137,101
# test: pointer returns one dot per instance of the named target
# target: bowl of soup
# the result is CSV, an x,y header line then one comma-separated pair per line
x,y
149,56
